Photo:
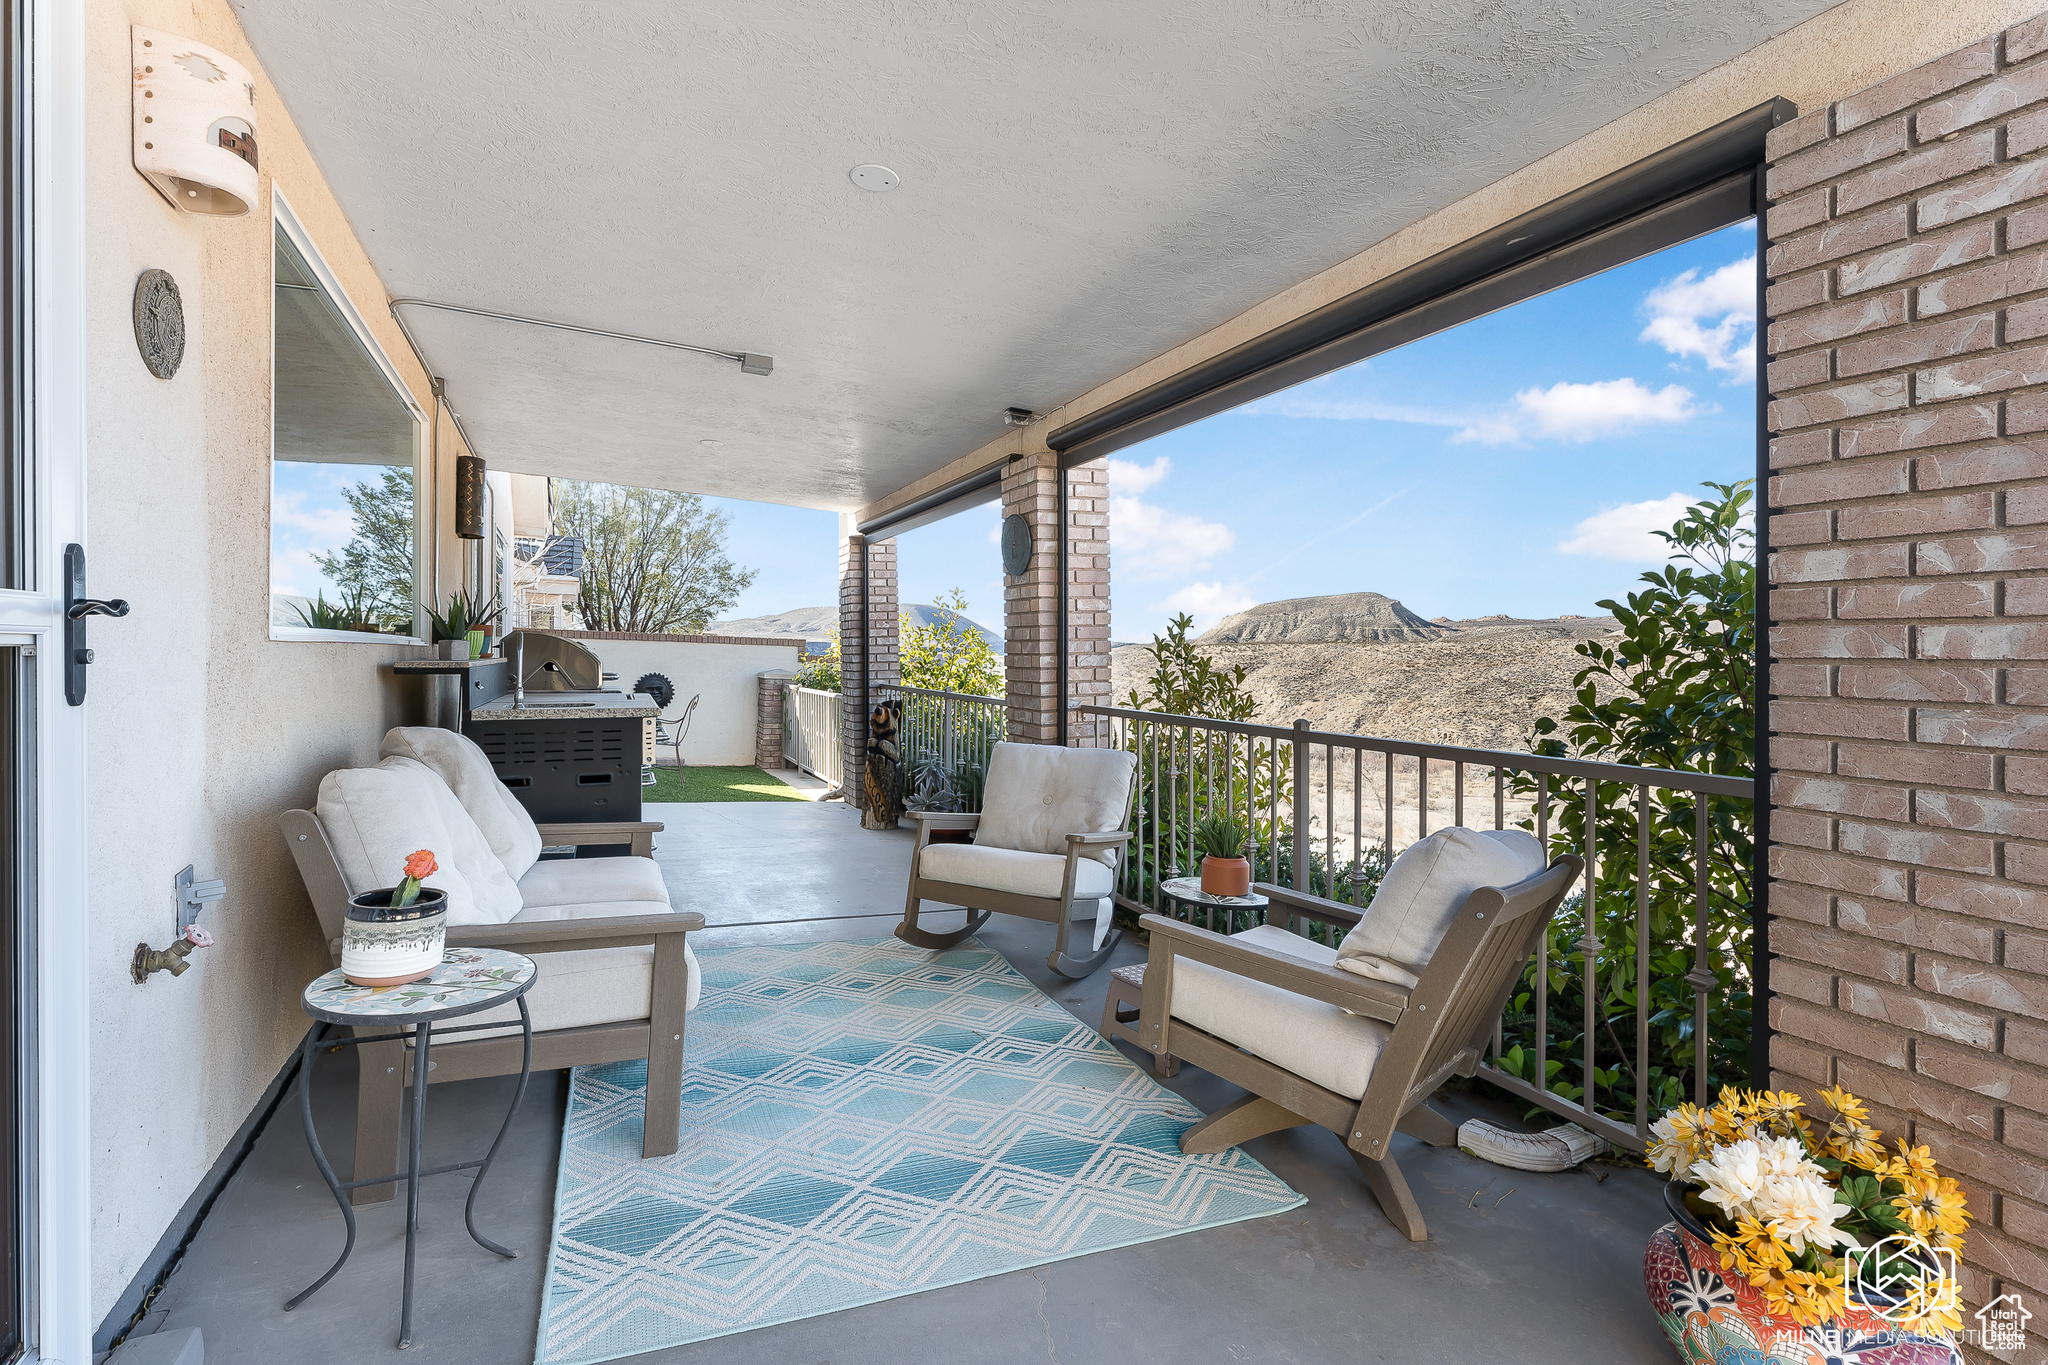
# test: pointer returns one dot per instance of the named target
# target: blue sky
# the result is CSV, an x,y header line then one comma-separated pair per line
x,y
1511,465
309,516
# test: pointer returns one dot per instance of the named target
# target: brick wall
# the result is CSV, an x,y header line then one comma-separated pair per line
x,y
1908,311
885,662
1088,597
768,719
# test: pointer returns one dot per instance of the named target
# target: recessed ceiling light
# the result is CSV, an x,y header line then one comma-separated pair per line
x,y
876,178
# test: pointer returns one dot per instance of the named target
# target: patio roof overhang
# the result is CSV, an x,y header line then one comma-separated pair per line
x,y
1082,190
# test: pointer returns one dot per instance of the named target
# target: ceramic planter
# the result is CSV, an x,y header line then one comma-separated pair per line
x,y
1227,876
476,644
1712,1318
381,946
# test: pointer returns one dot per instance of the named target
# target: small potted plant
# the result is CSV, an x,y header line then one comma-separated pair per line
x,y
1225,870
399,933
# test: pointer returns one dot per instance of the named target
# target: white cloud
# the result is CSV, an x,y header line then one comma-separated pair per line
x,y
1149,542
328,527
1623,532
1712,318
1584,412
1128,480
1351,410
295,572
1209,603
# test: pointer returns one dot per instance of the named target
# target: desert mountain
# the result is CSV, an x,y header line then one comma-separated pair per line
x,y
1347,616
818,623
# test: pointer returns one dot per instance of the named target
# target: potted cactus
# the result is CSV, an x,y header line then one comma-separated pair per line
x,y
1225,870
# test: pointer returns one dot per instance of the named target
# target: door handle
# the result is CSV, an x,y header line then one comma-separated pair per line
x,y
77,607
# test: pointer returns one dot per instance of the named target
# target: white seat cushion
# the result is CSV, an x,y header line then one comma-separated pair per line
x,y
1315,1041
576,881
1012,870
375,817
497,812
1038,794
1421,893
589,985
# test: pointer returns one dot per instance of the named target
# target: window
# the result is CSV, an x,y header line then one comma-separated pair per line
x,y
344,507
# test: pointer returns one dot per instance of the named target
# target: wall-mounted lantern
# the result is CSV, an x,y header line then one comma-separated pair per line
x,y
195,124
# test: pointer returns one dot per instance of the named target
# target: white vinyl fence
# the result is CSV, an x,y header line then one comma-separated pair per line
x,y
810,733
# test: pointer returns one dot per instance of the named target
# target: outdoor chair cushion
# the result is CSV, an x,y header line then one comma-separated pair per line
x,y
588,986
376,817
575,881
1009,869
1316,1041
1420,893
462,765
1038,794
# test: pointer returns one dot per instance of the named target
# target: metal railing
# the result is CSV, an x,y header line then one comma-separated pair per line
x,y
811,733
1305,796
946,739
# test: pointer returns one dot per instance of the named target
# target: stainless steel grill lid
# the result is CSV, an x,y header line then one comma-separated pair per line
x,y
553,664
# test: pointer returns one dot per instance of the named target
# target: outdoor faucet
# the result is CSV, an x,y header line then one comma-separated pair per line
x,y
171,959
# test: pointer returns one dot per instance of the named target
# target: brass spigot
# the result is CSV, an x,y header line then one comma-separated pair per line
x,y
171,959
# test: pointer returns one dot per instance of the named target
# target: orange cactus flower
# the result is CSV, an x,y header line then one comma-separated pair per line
x,y
421,865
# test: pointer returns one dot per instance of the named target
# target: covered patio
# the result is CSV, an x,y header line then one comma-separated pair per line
x,y
1551,1261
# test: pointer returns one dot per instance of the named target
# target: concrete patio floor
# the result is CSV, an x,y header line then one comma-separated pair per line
x,y
1519,1267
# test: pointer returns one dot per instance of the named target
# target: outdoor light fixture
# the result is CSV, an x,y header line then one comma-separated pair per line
x,y
877,178
469,497
1017,417
195,124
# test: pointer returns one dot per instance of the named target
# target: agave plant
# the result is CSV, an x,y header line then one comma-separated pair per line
x,y
465,613
1219,836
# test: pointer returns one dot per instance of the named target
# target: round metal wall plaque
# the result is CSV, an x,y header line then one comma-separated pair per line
x,y
159,323
1016,544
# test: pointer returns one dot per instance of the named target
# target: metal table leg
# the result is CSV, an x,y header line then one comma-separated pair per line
x,y
423,1043
308,1050
518,1097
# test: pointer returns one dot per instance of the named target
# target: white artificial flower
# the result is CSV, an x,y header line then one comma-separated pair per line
x,y
1733,1176
1802,1209
1786,1156
1669,1154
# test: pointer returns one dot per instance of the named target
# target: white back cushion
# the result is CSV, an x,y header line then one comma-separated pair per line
x,y
496,895
1422,892
375,817
1038,794
460,764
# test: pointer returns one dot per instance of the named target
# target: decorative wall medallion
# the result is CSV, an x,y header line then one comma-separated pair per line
x,y
159,323
1016,544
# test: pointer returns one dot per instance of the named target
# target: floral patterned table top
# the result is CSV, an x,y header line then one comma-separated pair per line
x,y
468,980
1190,889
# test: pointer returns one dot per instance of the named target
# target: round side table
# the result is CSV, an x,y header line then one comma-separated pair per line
x,y
1187,891
467,981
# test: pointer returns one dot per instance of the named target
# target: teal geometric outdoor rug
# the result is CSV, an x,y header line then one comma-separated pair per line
x,y
863,1120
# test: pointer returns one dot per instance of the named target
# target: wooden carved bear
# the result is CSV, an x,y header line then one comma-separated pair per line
x,y
882,784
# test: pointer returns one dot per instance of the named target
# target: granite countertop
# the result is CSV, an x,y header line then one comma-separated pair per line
x,y
442,665
571,706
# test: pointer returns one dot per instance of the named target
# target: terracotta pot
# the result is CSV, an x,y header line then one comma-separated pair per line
x,y
1712,1318
1227,876
382,946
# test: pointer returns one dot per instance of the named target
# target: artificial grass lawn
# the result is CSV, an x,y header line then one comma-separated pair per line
x,y
717,784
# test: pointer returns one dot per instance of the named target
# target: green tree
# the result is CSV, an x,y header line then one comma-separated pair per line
x,y
950,654
375,570
1675,690
654,561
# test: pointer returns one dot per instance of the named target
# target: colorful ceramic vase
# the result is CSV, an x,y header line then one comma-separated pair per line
x,y
1714,1319
382,946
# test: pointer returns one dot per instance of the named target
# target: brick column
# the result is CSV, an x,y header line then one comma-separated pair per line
x,y
885,664
1031,603
1909,522
1088,598
768,719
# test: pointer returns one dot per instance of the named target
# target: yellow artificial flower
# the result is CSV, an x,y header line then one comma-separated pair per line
x,y
1844,1103
1934,1207
1779,1111
1912,1163
1813,1297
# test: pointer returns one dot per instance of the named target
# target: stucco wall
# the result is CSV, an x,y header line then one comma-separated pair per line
x,y
725,675
201,728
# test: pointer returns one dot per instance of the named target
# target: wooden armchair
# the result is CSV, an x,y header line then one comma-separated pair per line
x,y
1372,1052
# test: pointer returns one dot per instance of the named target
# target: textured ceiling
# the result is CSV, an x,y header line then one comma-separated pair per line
x,y
1084,187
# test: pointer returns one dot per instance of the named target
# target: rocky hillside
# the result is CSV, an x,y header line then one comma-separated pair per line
x,y
1479,683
